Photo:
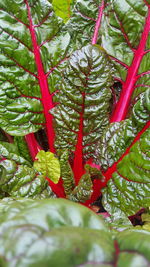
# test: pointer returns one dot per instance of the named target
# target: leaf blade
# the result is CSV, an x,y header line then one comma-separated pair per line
x,y
48,165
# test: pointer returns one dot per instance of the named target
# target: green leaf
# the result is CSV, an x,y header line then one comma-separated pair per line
x,y
62,8
84,101
118,136
17,176
128,189
145,222
22,147
83,190
22,88
94,172
131,55
22,181
55,232
66,173
132,250
11,152
81,25
48,165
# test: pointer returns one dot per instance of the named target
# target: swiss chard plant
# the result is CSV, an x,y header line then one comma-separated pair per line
x,y
75,101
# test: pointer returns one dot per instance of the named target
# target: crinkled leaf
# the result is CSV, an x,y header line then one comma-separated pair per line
x,y
51,213
22,181
128,189
94,172
118,136
82,24
48,165
22,148
146,221
84,101
66,173
34,233
32,46
83,190
125,37
17,176
11,152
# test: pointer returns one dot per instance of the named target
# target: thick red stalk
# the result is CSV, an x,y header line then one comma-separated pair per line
x,y
58,189
132,76
33,145
43,82
98,23
2,159
46,97
78,155
123,104
78,159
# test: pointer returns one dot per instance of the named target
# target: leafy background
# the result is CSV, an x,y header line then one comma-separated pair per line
x,y
74,86
54,91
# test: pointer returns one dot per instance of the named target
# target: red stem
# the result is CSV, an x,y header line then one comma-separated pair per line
x,y
132,76
98,23
33,145
78,156
113,168
78,160
43,82
98,185
58,189
122,106
46,98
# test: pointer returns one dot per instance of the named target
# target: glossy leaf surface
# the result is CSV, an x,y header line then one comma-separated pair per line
x,y
11,152
84,21
22,147
128,189
39,80
32,46
34,234
83,190
66,173
117,137
18,178
125,37
84,103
